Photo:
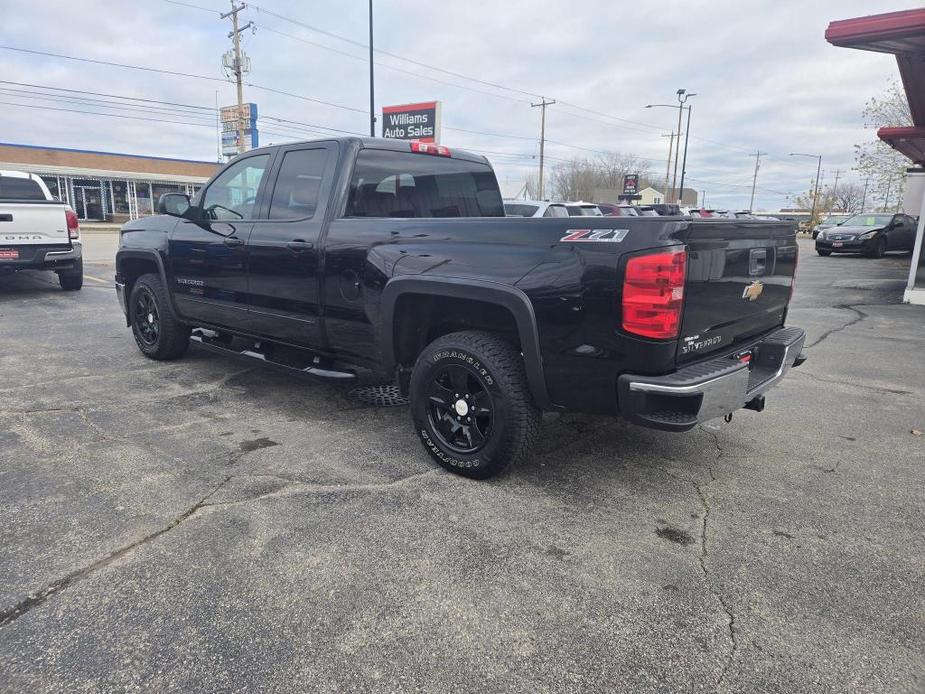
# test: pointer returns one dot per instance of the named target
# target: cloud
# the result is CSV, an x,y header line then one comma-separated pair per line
x,y
764,76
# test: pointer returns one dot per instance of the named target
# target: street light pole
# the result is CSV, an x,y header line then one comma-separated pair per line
x,y
687,135
683,96
372,93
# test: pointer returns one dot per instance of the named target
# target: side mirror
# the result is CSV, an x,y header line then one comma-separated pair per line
x,y
174,204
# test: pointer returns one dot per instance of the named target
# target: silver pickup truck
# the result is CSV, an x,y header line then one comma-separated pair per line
x,y
38,232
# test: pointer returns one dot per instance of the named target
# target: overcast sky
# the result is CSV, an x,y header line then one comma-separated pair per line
x,y
764,75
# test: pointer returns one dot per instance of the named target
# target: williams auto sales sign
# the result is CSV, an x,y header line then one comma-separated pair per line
x,y
419,122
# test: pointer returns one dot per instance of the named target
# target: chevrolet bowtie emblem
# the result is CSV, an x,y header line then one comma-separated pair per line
x,y
753,291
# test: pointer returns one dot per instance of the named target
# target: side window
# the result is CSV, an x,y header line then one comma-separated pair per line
x,y
298,184
233,195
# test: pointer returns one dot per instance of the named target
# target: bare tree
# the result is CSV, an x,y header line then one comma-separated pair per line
x,y
876,160
578,179
849,197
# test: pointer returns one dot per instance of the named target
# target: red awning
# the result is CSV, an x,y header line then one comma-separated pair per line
x,y
903,35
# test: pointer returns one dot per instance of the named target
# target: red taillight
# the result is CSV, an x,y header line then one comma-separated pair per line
x,y
429,148
653,294
73,225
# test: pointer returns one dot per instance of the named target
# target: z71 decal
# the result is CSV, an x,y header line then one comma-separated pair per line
x,y
611,235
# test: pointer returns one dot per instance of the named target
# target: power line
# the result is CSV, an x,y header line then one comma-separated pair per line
x,y
178,73
110,115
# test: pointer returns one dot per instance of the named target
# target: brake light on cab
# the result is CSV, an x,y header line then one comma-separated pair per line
x,y
653,294
429,148
73,225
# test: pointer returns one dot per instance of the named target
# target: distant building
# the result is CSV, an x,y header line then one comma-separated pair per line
x,y
650,196
107,186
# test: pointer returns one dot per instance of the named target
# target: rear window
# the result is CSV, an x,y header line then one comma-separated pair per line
x,y
408,184
556,211
15,188
518,210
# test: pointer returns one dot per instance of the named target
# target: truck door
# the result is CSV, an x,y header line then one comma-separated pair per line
x,y
207,254
284,249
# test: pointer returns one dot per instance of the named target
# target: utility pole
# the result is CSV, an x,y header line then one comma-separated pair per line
x,y
543,104
835,188
674,177
372,94
751,203
864,198
237,66
703,199
886,202
668,168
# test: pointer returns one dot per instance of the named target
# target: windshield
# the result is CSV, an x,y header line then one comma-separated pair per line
x,y
868,220
591,211
831,221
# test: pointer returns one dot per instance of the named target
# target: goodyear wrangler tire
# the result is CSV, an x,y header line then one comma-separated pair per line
x,y
471,404
157,332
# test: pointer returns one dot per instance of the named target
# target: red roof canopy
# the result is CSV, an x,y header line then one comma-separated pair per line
x,y
903,35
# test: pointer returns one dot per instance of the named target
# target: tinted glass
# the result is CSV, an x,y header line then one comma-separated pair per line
x,y
233,195
556,211
295,195
573,211
517,210
20,189
408,184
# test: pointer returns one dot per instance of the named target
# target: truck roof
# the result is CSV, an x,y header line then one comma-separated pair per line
x,y
379,143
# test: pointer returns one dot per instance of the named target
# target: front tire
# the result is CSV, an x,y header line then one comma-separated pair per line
x,y
471,404
158,334
879,249
823,253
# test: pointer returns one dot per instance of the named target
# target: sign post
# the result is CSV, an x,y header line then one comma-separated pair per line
x,y
420,122
630,188
231,120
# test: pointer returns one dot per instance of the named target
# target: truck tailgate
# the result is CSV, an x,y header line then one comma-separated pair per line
x,y
739,277
33,224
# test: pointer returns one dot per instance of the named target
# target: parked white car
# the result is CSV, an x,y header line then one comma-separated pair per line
x,y
38,232
535,208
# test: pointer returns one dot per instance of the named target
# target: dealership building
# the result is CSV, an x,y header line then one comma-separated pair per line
x,y
107,186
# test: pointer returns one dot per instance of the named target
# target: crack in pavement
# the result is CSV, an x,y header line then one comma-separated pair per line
x,y
876,389
34,600
857,319
293,486
702,558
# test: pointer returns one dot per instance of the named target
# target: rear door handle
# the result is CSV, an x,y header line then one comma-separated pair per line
x,y
6,218
299,246
233,242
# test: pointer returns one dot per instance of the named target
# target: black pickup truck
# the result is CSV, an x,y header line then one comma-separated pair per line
x,y
384,261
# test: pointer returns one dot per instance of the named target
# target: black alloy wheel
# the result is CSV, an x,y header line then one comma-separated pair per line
x,y
461,410
146,317
471,404
158,333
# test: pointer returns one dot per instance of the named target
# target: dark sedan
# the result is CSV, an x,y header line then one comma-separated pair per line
x,y
870,234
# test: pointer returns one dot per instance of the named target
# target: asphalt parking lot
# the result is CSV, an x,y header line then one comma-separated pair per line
x,y
206,525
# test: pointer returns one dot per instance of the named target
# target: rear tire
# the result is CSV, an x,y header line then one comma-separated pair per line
x,y
823,253
158,334
471,404
72,280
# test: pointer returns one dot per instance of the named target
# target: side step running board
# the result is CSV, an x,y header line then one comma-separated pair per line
x,y
304,363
